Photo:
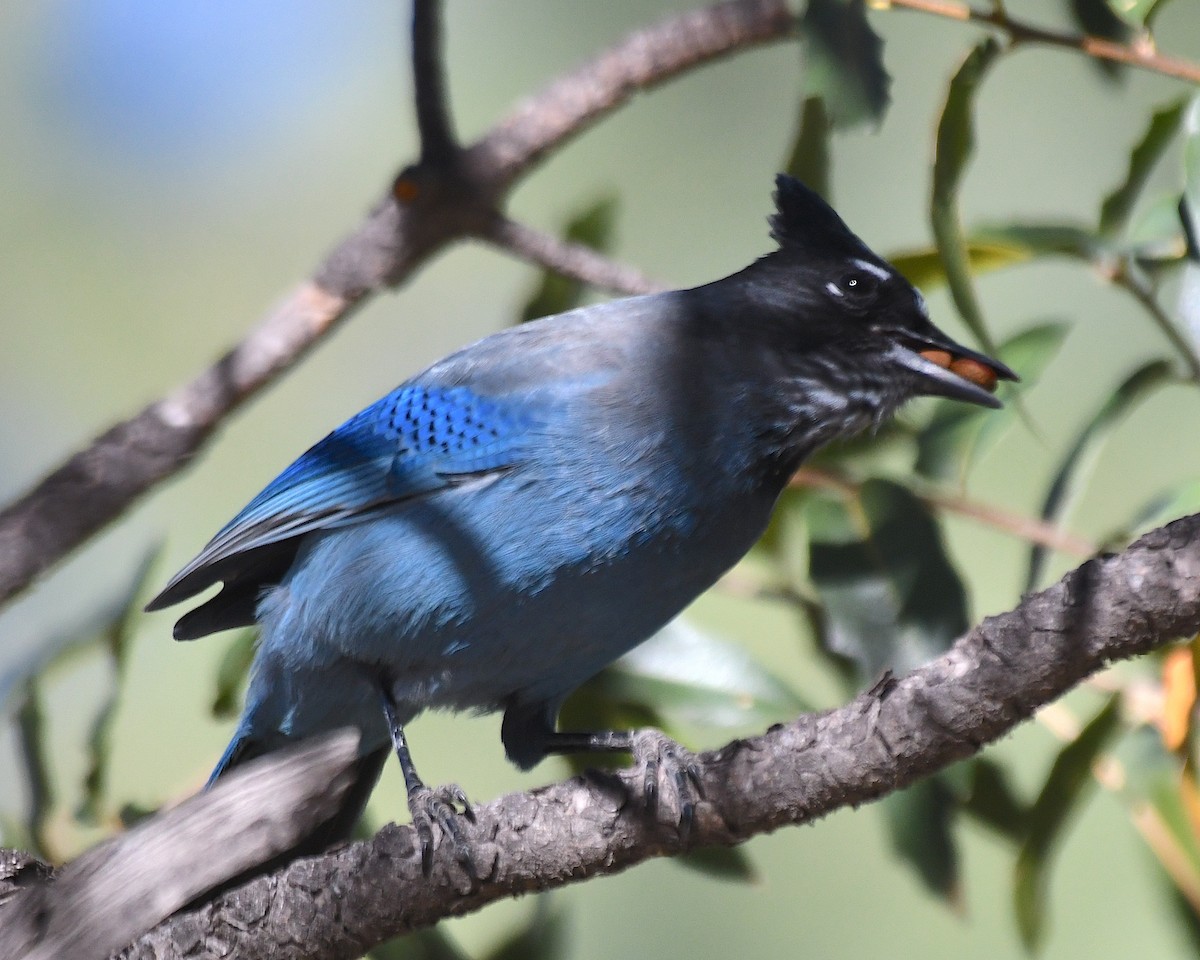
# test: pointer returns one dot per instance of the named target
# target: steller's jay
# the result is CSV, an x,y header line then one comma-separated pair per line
x,y
503,525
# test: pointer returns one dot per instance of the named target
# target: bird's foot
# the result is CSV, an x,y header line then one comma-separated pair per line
x,y
440,806
663,760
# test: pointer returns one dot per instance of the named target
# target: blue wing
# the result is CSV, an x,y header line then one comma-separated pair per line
x,y
413,442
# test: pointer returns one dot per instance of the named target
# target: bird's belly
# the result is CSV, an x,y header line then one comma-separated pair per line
x,y
460,612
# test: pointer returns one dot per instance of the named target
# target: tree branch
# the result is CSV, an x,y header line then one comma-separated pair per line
x,y
546,121
431,204
887,738
1029,529
438,142
572,260
121,887
1138,54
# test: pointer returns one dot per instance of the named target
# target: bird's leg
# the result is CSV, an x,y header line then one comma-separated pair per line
x,y
655,752
429,806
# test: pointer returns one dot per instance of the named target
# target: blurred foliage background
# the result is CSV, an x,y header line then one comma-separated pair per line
x,y
169,169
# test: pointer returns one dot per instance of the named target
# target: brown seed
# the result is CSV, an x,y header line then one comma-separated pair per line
x,y
978,373
940,357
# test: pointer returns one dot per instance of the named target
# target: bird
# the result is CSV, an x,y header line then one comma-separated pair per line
x,y
506,523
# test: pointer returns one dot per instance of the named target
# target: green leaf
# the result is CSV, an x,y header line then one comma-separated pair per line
x,y
957,434
1139,13
844,61
543,938
31,745
1189,212
684,676
809,158
115,639
1171,505
1046,239
992,801
924,268
721,863
1059,798
920,823
592,227
1096,18
892,598
232,674
955,144
1118,205
1076,467
431,943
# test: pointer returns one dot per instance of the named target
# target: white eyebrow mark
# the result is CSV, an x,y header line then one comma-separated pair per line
x,y
871,268
834,288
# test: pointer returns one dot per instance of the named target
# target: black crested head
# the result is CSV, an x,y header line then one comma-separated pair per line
x,y
805,224
834,319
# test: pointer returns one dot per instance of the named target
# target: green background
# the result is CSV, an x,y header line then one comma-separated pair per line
x,y
162,182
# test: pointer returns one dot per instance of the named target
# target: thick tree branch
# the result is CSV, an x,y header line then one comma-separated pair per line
x,y
901,730
118,889
431,204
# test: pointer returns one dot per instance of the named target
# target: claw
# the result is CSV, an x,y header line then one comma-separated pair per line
x,y
660,754
440,806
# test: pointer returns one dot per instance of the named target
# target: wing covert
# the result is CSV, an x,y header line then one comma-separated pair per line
x,y
412,442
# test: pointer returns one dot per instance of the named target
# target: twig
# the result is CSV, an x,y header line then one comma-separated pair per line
x,y
1026,528
1126,279
569,259
434,124
1141,55
430,206
887,738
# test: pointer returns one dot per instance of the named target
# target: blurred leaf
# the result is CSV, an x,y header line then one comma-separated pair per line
x,y
809,159
1181,502
1061,795
1118,205
1179,697
31,744
115,638
992,802
1096,18
432,943
688,677
721,863
924,268
232,674
543,938
955,144
1081,459
892,598
956,433
1045,239
1154,236
920,821
1159,810
1140,13
592,227
1189,214
844,61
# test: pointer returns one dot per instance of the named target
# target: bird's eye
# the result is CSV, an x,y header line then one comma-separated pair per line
x,y
857,288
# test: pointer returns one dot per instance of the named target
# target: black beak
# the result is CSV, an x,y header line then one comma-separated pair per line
x,y
946,368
